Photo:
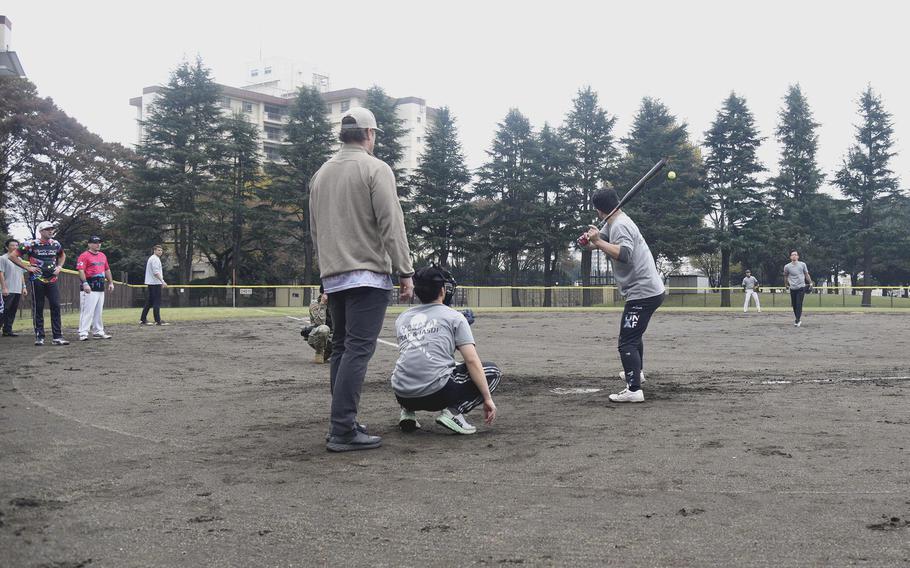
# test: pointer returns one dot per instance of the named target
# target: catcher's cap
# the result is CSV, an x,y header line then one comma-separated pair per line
x,y
362,117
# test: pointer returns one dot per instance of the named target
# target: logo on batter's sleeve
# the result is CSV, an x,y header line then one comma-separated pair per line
x,y
631,321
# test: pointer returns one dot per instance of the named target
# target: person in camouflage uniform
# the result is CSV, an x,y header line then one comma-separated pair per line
x,y
319,333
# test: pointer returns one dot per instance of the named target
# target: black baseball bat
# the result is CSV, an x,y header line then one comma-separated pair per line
x,y
630,194
640,184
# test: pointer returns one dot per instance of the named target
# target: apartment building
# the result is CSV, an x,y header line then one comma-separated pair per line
x,y
9,61
266,105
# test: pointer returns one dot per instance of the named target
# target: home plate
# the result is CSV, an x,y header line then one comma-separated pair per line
x,y
577,390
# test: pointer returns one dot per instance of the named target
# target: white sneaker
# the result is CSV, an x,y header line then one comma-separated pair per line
x,y
628,396
83,338
407,421
623,376
799,324
101,336
455,422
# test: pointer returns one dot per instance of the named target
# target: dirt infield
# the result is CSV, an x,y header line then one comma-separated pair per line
x,y
202,444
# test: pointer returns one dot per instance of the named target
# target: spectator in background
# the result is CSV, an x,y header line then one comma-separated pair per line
x,y
93,272
14,288
154,280
45,261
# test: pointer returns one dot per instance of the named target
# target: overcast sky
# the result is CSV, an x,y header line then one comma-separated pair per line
x,y
482,58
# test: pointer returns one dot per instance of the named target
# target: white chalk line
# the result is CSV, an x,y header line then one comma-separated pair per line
x,y
57,412
836,380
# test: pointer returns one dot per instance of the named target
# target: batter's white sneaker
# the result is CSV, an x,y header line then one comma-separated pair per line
x,y
628,396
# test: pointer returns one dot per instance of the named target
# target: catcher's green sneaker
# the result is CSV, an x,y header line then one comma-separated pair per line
x,y
455,422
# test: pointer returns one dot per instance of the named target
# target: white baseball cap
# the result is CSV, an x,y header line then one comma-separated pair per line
x,y
363,118
46,225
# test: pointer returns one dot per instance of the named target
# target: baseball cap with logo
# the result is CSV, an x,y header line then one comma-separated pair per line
x,y
46,225
363,118
94,239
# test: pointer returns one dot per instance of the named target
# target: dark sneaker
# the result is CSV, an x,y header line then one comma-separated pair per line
x,y
353,442
146,323
101,336
60,341
358,427
407,421
455,422
162,323
39,341
10,334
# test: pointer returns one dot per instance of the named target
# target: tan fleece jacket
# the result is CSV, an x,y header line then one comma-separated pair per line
x,y
355,217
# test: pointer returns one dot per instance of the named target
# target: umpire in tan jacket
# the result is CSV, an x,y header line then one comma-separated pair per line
x,y
358,231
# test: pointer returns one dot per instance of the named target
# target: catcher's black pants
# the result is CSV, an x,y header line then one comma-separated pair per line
x,y
632,326
460,395
796,300
40,291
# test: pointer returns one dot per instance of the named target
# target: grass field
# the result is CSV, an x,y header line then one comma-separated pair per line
x,y
688,303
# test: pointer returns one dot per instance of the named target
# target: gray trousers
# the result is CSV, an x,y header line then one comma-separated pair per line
x,y
357,315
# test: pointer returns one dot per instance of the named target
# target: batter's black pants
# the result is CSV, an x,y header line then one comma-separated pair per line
x,y
152,301
11,302
460,395
796,301
40,291
632,326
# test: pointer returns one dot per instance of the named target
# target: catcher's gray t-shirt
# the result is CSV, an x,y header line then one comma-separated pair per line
x,y
749,282
427,337
639,277
796,274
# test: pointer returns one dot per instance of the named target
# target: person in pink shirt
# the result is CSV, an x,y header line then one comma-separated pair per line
x,y
93,271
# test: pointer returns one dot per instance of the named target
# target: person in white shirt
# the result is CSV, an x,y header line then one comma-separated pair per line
x,y
750,286
154,280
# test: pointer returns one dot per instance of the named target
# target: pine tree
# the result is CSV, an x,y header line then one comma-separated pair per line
x,y
671,213
589,132
181,144
866,179
732,166
438,190
227,226
505,181
310,143
389,143
554,214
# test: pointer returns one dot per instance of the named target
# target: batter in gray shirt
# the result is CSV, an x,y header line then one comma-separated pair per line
x,y
796,274
639,277
427,338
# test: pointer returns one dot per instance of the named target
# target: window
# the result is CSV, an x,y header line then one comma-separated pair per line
x,y
225,102
272,153
345,105
267,70
273,112
247,107
272,133
418,119
254,72
418,139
